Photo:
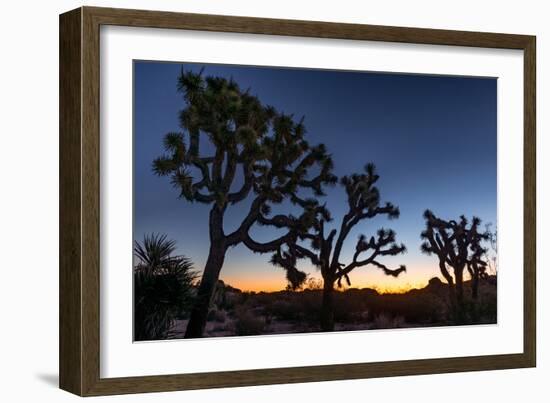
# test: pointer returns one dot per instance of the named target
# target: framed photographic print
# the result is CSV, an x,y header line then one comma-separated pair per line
x,y
249,201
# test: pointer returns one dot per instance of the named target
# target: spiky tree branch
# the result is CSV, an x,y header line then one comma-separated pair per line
x,y
324,251
244,136
457,245
363,203
477,264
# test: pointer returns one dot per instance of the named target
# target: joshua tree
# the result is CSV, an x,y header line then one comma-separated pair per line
x,y
324,252
162,287
457,244
491,252
477,265
251,150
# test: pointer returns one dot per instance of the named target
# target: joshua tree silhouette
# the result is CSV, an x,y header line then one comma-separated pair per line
x,y
457,244
245,136
477,265
325,251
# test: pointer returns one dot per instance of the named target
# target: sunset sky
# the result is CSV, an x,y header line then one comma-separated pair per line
x,y
432,138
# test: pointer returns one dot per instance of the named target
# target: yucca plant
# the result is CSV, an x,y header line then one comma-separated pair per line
x,y
162,287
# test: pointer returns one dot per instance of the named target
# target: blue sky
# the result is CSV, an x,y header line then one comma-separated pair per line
x,y
432,138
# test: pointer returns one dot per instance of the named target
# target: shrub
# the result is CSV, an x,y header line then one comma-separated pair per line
x,y
217,315
283,310
385,321
247,324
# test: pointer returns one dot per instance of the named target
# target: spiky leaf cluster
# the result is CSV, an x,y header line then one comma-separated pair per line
x,y
324,252
162,287
232,146
456,243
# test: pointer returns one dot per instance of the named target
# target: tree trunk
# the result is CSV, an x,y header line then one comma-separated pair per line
x,y
475,286
452,296
327,307
210,276
459,280
199,313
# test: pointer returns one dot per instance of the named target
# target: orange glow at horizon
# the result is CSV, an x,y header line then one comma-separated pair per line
x,y
269,281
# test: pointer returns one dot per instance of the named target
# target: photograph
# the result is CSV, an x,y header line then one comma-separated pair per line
x,y
271,200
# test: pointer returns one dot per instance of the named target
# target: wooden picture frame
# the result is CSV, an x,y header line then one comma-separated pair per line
x,y
79,201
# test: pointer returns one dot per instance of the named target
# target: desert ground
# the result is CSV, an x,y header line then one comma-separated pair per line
x,y
237,313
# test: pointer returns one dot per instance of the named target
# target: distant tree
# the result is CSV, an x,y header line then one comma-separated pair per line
x,y
162,287
313,283
477,264
231,147
457,245
324,252
492,251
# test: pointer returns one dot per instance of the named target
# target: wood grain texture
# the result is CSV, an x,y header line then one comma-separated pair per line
x,y
70,313
530,202
90,202
80,195
315,29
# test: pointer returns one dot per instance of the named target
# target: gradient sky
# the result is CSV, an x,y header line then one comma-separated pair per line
x,y
432,138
